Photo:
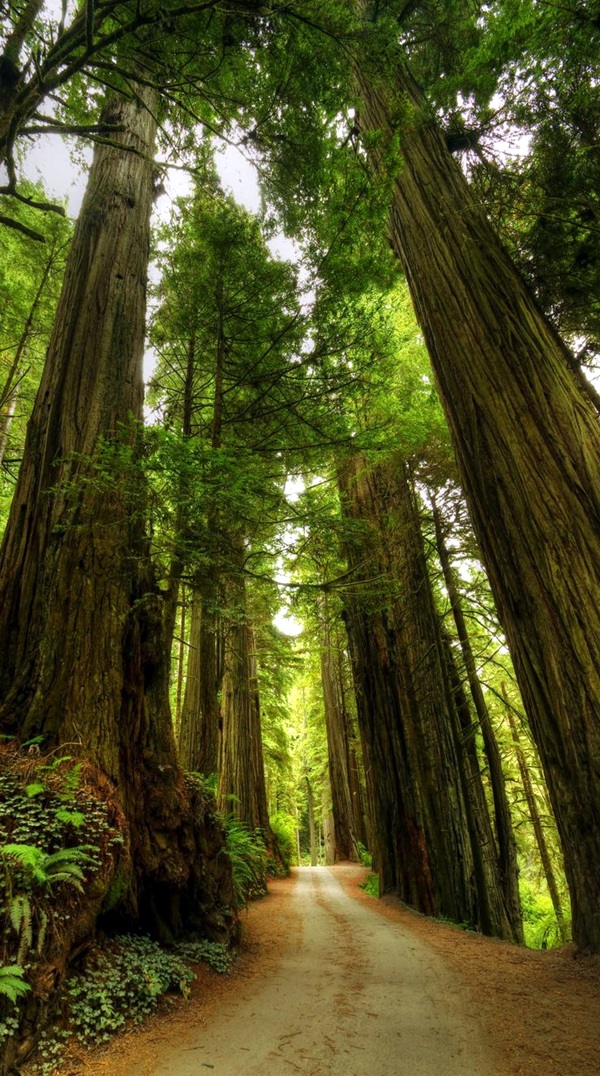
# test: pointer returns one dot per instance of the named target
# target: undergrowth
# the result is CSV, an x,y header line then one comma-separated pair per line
x,y
121,985
371,885
284,829
539,921
57,835
248,855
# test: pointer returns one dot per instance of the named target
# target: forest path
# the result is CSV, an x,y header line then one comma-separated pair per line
x,y
353,995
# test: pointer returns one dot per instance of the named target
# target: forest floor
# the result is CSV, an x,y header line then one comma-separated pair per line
x,y
488,1008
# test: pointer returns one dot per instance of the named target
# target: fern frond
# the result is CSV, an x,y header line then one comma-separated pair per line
x,y
12,985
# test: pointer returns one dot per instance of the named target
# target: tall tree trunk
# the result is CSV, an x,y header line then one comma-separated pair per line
x,y
538,828
242,787
181,535
201,715
356,771
528,448
199,730
345,841
180,661
424,826
312,829
507,848
81,625
329,838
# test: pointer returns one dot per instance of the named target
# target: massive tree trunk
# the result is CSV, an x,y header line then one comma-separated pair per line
x,y
528,448
81,619
345,838
426,828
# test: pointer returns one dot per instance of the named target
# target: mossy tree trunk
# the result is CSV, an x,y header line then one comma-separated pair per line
x,y
199,728
81,619
528,448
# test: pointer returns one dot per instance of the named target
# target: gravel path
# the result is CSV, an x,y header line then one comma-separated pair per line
x,y
355,995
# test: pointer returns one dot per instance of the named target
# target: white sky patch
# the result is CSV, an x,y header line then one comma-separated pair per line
x,y
239,177
288,624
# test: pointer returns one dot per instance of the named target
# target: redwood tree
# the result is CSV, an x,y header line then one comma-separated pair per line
x,y
345,835
242,787
528,449
81,625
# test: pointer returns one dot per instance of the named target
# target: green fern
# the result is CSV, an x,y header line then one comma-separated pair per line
x,y
46,870
246,850
12,985
21,918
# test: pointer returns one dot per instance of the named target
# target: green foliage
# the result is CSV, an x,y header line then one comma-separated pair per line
x,y
215,954
124,983
539,921
43,810
41,869
246,849
284,828
371,885
30,280
365,856
12,983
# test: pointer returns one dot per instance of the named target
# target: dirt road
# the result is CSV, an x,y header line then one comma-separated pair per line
x,y
354,995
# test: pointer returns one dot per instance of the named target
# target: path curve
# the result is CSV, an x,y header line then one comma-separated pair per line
x,y
355,995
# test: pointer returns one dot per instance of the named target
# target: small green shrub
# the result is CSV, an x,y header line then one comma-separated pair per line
x,y
215,954
284,828
539,921
371,885
364,855
125,984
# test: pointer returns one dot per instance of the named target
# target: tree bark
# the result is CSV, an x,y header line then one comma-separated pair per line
x,y
180,661
528,449
345,840
81,619
426,830
312,829
242,786
199,729
507,848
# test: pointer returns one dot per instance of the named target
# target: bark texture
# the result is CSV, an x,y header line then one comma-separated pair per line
x,y
344,837
199,729
428,833
242,786
81,619
528,448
